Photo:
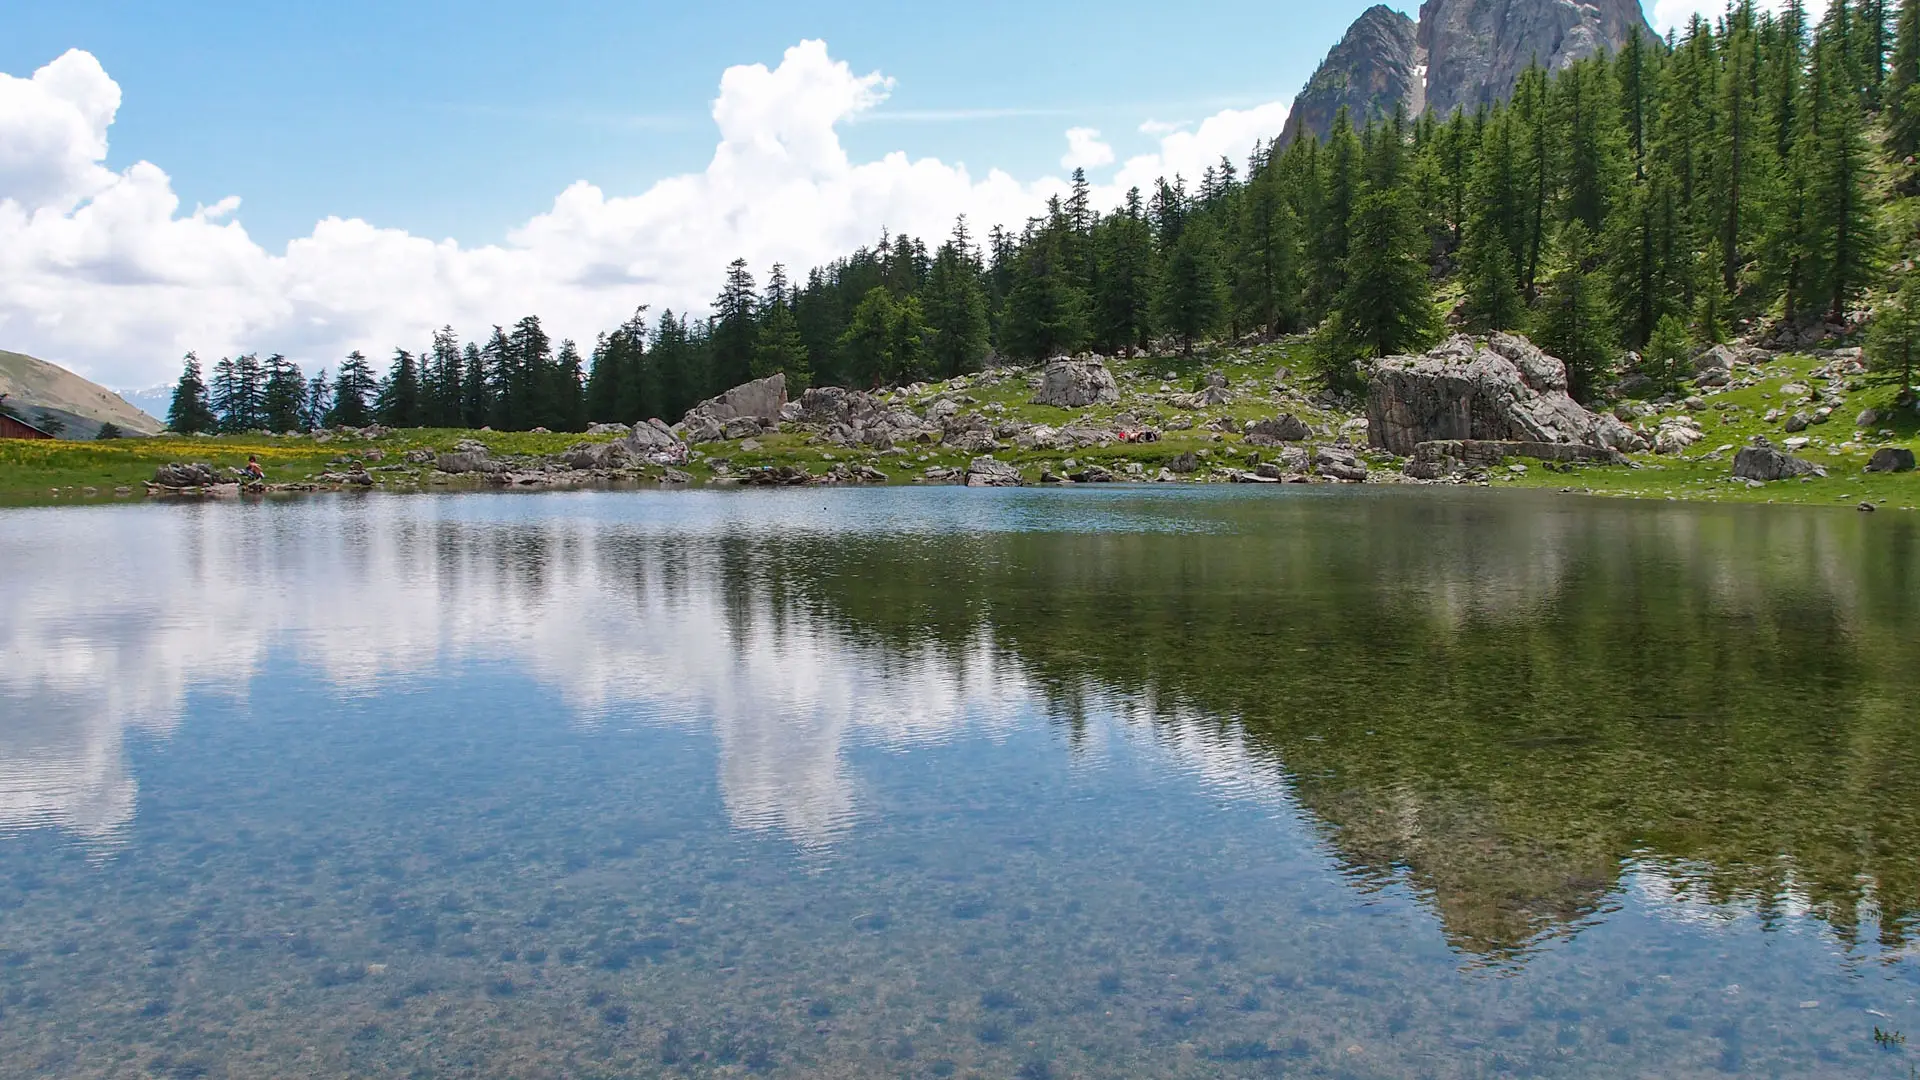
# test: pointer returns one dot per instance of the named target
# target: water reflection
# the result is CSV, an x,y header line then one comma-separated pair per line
x,y
1499,702
1131,776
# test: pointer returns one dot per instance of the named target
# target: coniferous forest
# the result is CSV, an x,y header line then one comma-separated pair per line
x,y
1753,171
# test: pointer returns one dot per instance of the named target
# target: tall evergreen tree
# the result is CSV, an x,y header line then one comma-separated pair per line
x,y
1191,301
735,330
398,402
284,400
956,308
191,413
1122,313
353,389
1573,322
778,345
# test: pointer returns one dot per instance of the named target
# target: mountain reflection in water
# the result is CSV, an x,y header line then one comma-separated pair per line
x,y
1525,713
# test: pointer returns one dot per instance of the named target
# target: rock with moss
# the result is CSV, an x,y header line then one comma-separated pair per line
x,y
1075,384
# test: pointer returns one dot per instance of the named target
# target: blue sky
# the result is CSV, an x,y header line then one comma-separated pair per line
x,y
311,179
462,119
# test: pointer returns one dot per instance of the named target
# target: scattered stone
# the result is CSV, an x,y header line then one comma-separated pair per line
x,y
1798,422
1867,507
1184,463
1867,418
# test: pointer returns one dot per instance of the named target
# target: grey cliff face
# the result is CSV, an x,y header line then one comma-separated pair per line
x,y
1372,69
1462,53
1476,48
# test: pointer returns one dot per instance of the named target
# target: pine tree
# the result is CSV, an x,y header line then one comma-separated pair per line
x,y
1387,304
734,328
1893,342
1046,312
1573,321
1123,300
445,381
107,431
1665,361
566,399
226,397
778,345
476,398
956,308
284,401
1842,208
870,338
352,388
1266,261
190,412
319,401
398,401
1191,299
1899,94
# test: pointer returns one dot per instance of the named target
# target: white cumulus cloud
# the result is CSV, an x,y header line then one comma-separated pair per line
x,y
1085,150
106,272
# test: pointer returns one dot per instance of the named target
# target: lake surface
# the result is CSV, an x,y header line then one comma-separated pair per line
x,y
930,783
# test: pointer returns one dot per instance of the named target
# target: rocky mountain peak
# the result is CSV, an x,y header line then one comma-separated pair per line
x,y
1373,67
1461,53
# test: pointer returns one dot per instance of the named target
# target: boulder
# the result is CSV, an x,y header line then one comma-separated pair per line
x,y
1288,428
1891,459
607,429
739,427
179,475
1718,358
467,461
1798,422
1499,388
828,405
699,428
760,399
1184,463
618,454
776,476
1763,462
972,442
986,472
1672,438
1867,418
651,435
1073,384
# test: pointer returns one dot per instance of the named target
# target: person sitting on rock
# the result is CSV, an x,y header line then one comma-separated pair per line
x,y
255,473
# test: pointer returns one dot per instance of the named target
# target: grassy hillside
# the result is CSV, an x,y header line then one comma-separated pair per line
x,y
1264,385
31,384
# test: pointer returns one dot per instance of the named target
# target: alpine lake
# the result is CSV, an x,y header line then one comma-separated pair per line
x,y
1103,782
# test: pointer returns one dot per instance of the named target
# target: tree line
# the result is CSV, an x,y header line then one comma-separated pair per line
x,y
1627,208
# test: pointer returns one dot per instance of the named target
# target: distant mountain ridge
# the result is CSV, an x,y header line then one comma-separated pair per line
x,y
82,407
1461,53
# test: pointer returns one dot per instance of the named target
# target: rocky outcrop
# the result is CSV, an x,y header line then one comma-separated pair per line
x,y
1460,54
1374,68
1475,49
1500,389
1075,384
